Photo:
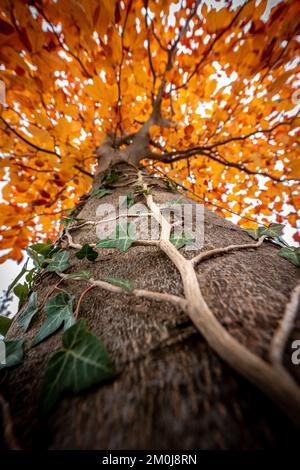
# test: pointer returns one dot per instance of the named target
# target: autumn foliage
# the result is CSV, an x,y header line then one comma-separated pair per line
x,y
76,70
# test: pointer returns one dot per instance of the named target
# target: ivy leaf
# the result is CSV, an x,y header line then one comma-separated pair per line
x,y
292,254
273,231
124,283
110,177
100,192
79,275
174,202
123,239
5,323
279,241
82,362
30,311
43,248
19,276
252,233
87,252
13,353
128,201
58,311
22,292
170,184
39,260
140,190
59,262
181,241
30,275
69,219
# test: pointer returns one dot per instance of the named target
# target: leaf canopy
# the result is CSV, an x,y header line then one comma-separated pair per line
x,y
75,71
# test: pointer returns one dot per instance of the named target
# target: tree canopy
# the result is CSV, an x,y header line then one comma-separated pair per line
x,y
222,77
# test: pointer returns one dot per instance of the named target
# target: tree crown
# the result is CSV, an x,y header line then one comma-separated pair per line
x,y
214,90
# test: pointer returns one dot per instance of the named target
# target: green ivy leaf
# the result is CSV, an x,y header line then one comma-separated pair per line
x,y
69,219
5,323
87,252
253,233
273,231
82,362
80,275
29,312
44,249
110,177
58,311
124,283
13,353
22,292
140,190
59,262
19,276
181,241
292,254
170,184
128,201
123,239
30,275
174,202
39,261
100,192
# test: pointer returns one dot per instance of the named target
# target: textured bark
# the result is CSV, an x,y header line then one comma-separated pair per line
x,y
172,390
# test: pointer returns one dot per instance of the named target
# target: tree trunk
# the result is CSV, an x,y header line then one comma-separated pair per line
x,y
172,390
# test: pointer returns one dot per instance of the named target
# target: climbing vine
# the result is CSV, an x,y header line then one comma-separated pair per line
x,y
83,359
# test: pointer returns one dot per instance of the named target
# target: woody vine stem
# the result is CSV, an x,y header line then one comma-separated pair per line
x,y
271,378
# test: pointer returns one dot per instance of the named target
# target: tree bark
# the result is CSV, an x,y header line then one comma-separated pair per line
x,y
172,390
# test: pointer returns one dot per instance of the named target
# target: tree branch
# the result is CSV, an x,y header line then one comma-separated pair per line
x,y
26,141
147,294
177,155
85,172
62,44
202,199
244,137
209,49
227,249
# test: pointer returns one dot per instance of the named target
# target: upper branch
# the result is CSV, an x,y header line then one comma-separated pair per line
x,y
209,49
207,151
62,44
40,149
171,51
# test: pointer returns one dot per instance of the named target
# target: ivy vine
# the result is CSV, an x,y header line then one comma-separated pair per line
x,y
83,359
